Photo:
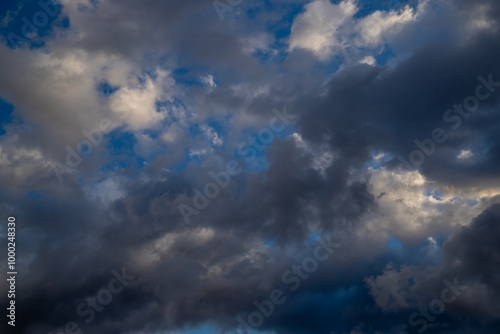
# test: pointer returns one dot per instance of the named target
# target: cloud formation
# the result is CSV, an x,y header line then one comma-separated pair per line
x,y
123,110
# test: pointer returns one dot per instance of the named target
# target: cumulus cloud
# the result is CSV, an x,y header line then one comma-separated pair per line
x,y
315,29
328,29
410,207
136,105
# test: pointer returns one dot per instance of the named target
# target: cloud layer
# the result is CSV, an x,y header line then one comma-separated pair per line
x,y
125,111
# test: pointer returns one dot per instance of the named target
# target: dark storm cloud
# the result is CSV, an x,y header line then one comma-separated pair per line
x,y
387,109
292,194
473,254
175,283
469,271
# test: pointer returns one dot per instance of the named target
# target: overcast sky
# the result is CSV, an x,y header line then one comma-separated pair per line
x,y
251,166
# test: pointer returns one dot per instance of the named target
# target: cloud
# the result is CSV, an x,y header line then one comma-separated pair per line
x,y
316,27
373,28
328,29
469,262
208,80
137,105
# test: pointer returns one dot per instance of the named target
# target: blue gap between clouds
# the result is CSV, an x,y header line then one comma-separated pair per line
x,y
31,18
106,89
207,329
394,243
6,110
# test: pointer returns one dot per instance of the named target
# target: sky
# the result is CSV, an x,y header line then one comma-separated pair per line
x,y
236,166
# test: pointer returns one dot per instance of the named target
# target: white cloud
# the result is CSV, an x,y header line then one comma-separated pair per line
x,y
136,104
212,135
315,29
373,28
368,60
326,29
208,80
18,164
412,208
465,154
